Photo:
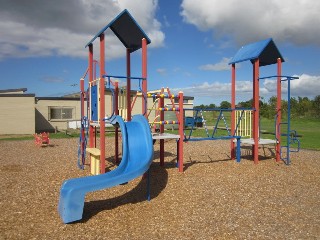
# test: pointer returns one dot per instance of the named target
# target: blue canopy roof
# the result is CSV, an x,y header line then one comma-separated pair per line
x,y
127,30
265,50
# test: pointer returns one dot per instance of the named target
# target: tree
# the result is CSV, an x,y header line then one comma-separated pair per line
x,y
273,102
200,106
246,104
225,104
212,105
304,107
316,105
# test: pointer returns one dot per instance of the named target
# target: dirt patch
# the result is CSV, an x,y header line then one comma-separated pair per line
x,y
215,198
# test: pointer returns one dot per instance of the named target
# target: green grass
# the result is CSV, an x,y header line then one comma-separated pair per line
x,y
307,128
31,137
58,135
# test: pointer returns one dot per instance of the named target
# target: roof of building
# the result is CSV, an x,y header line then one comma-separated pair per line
x,y
13,90
127,30
265,50
18,95
133,92
74,98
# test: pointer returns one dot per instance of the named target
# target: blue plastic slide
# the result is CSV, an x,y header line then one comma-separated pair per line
x,y
137,157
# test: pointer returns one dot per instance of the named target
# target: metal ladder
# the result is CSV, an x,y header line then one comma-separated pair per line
x,y
221,116
204,123
291,138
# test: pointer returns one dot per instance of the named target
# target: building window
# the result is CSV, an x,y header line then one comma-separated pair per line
x,y
61,113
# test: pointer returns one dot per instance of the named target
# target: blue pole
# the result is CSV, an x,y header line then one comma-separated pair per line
x,y
148,185
238,149
288,125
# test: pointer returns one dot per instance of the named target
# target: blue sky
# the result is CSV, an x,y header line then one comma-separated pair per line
x,y
42,44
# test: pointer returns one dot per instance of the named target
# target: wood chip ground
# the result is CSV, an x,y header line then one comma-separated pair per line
x,y
215,198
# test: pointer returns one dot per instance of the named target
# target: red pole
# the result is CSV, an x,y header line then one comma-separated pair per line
x,y
278,129
256,112
82,96
102,105
128,86
94,69
181,126
91,129
233,106
116,129
161,103
144,76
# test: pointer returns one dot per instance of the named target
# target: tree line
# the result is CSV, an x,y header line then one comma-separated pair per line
x,y
301,107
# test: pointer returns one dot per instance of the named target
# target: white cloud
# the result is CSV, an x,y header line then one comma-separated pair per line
x,y
246,21
50,79
220,66
305,86
206,89
63,28
165,21
162,71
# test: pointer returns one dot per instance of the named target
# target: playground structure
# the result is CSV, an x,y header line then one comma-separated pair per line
x,y
133,41
136,160
137,148
121,98
260,54
179,112
245,123
212,134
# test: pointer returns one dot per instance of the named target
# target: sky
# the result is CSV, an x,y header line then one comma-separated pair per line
x,y
42,44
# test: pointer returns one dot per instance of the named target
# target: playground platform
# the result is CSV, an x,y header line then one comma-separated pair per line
x,y
158,136
262,141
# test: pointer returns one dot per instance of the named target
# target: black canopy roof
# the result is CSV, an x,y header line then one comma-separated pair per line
x,y
127,30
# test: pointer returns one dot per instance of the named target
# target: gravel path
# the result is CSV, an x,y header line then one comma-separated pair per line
x,y
215,198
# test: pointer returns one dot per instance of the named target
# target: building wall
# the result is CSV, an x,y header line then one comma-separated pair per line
x,y
43,120
17,114
24,114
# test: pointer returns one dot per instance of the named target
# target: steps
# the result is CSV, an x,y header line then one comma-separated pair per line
x,y
94,160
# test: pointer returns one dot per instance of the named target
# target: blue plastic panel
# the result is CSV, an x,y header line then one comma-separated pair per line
x,y
94,103
265,50
137,157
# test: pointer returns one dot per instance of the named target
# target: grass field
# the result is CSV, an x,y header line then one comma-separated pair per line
x,y
308,129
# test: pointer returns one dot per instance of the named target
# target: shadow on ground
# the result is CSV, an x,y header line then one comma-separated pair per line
x,y
158,182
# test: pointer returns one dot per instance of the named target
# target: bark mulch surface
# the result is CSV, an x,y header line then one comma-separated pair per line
x,y
215,198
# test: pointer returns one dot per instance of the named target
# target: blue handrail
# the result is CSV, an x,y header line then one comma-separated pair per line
x,y
123,77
